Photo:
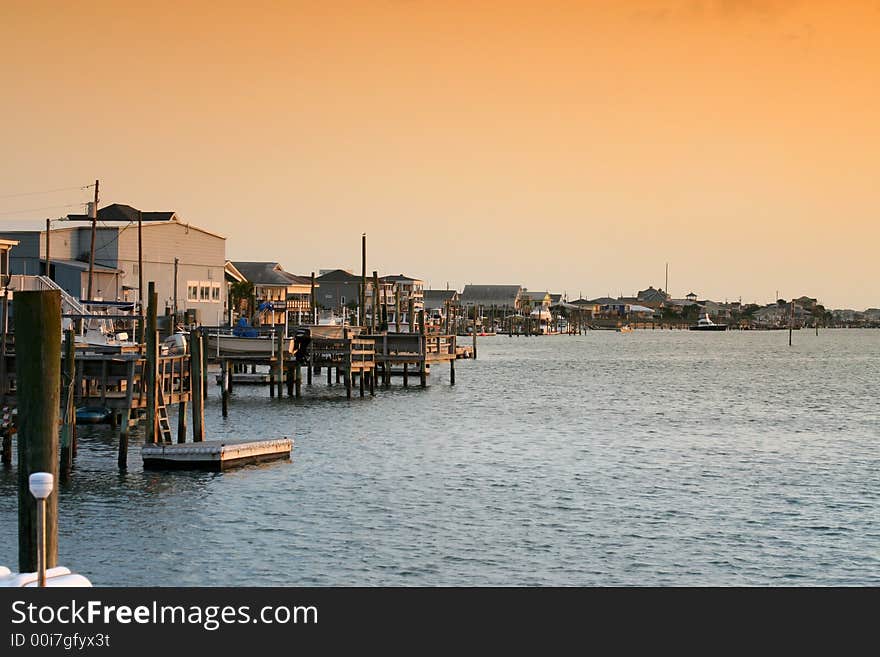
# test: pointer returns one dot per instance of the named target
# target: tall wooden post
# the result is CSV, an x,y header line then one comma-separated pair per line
x,y
375,297
4,325
791,322
279,363
197,373
313,302
140,329
363,299
347,357
48,253
152,357
181,404
297,380
452,363
38,351
475,331
410,319
225,374
423,349
396,308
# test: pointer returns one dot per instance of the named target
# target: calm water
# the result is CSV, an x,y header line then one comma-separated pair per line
x,y
645,458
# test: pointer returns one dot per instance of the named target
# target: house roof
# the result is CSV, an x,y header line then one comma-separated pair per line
x,y
491,294
298,280
338,276
439,297
536,296
263,273
652,295
122,212
603,301
398,278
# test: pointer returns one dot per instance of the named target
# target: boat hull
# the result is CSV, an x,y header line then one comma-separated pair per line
x,y
712,327
233,345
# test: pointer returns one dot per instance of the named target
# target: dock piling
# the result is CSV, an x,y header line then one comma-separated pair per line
x,y
38,352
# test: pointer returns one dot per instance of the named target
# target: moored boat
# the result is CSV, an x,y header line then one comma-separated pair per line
x,y
706,324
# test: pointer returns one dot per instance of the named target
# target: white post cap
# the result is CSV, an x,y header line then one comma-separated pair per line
x,y
41,484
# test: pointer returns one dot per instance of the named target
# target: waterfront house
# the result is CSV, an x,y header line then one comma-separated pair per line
x,y
278,295
340,288
185,261
401,289
652,298
537,300
502,297
437,302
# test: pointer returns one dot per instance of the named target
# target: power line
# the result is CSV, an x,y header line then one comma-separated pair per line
x,y
48,191
48,207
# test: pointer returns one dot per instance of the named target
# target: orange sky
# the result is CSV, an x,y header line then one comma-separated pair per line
x,y
573,146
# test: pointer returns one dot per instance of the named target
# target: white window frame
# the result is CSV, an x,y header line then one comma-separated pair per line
x,y
190,285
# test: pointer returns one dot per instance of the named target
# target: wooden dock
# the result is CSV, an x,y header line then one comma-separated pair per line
x,y
215,455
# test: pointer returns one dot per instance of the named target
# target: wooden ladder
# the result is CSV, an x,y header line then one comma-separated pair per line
x,y
162,417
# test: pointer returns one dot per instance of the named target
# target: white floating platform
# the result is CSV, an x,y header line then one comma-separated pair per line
x,y
215,454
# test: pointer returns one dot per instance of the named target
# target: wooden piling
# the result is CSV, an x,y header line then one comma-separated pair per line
x,y
198,375
70,413
279,363
298,380
405,375
122,456
423,350
4,325
375,296
152,358
225,374
38,361
474,356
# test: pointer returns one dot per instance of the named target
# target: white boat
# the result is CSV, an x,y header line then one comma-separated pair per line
x,y
234,345
706,324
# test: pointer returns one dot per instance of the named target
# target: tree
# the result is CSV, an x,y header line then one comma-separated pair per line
x,y
242,299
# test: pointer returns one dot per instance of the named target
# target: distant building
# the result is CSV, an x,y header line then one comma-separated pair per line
x,y
340,288
437,302
399,290
196,284
499,296
652,298
537,299
279,295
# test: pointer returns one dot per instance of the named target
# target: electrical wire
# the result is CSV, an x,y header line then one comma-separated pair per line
x,y
48,207
48,191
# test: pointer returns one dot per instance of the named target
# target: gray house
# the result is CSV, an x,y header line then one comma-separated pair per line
x,y
487,296
185,261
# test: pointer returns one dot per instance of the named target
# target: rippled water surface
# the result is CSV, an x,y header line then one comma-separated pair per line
x,y
652,458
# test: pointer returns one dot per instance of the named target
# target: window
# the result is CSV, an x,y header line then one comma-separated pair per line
x,y
192,290
215,292
205,291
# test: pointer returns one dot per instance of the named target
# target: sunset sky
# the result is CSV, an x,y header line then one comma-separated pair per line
x,y
569,146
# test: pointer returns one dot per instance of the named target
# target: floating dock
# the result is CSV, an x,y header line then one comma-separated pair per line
x,y
214,454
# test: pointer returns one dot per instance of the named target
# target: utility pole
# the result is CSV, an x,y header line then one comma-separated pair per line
x,y
666,289
92,249
174,303
48,257
363,321
141,311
